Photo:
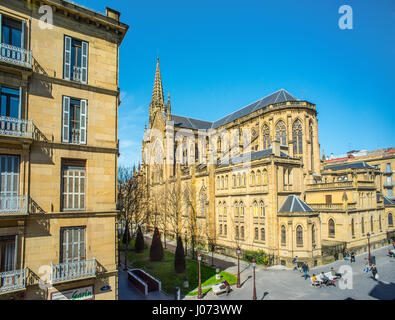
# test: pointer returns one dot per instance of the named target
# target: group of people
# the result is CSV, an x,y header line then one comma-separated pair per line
x,y
325,279
348,255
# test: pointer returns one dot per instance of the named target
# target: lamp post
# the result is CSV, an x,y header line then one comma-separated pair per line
x,y
200,279
238,267
254,290
369,256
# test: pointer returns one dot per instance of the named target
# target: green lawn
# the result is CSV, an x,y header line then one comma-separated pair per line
x,y
164,271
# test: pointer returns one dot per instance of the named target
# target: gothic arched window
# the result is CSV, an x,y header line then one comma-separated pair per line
x,y
256,234
263,235
242,232
281,133
283,236
266,137
331,228
252,178
255,209
236,209
297,136
241,209
299,236
313,234
390,220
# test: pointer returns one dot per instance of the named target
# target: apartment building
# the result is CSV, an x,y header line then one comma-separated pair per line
x,y
58,150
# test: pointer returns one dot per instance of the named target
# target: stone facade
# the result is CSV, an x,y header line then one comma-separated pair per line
x,y
64,145
233,177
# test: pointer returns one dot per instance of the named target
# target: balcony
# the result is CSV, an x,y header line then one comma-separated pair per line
x,y
14,127
13,204
15,55
73,270
12,281
332,206
333,185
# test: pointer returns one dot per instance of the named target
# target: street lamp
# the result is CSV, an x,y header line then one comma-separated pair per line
x,y
238,267
369,256
253,267
200,279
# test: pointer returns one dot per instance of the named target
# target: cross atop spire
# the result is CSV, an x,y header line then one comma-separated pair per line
x,y
157,94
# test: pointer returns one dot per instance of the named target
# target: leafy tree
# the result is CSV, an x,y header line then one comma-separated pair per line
x,y
179,259
139,244
156,250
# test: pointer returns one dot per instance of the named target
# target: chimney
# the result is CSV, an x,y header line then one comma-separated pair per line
x,y
276,148
113,14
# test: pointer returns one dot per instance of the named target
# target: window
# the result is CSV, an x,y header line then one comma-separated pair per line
x,y
219,209
9,183
259,177
253,178
12,32
297,132
299,236
234,181
256,234
226,181
10,103
237,232
7,254
390,220
281,133
255,209
313,234
244,179
72,247
236,209
264,177
73,187
266,137
241,209
75,60
363,225
220,229
224,209
331,228
74,120
380,223
239,180
283,236
225,230
328,199
263,235
222,183
262,209
352,228
242,232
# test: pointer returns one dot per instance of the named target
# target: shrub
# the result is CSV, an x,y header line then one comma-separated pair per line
x,y
156,250
139,244
179,258
126,234
260,256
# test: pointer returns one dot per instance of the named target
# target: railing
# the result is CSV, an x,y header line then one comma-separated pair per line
x,y
15,55
12,280
75,136
76,75
73,270
16,127
13,204
365,183
332,206
330,185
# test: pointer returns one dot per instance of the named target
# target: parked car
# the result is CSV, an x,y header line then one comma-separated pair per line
x,y
219,288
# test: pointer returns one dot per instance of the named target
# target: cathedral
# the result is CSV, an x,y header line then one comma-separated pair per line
x,y
254,180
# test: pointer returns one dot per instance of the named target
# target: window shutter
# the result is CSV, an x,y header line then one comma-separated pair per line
x,y
67,57
1,28
66,120
83,121
20,103
84,63
23,35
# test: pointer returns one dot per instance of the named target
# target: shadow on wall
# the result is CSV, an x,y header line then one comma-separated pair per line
x,y
40,86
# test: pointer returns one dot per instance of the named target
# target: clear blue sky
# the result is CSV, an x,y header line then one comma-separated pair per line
x,y
218,56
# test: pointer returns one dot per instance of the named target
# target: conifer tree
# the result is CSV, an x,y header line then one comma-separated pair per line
x,y
179,259
156,250
139,244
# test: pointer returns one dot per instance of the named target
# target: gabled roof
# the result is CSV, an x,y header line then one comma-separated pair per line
x,y
190,123
294,204
356,165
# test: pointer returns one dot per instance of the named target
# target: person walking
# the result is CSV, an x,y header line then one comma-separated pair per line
x,y
305,269
345,255
352,257
227,285
375,272
295,262
366,268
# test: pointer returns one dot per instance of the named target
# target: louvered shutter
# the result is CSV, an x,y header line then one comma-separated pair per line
x,y
67,58
83,121
84,63
66,119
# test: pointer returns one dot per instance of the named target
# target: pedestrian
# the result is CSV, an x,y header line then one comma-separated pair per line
x,y
374,272
335,274
227,286
345,255
352,257
366,268
305,269
295,262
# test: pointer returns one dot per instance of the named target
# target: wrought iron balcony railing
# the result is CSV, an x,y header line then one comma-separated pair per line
x,y
16,127
15,55
12,281
13,204
76,75
73,270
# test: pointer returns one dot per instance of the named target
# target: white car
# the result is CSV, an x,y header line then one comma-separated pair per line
x,y
219,288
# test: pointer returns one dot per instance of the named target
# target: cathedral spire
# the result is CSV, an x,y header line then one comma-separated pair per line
x,y
157,94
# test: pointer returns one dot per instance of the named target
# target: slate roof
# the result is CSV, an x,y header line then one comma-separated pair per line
x,y
388,201
294,204
190,123
254,156
356,165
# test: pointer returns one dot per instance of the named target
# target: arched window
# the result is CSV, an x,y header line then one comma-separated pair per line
x,y
252,178
255,208
220,229
222,183
256,234
299,236
371,224
237,232
220,209
239,180
313,234
283,236
259,177
226,181
262,209
236,209
224,209
241,209
264,177
363,225
352,228
242,232
331,228
281,133
390,220
266,137
297,136
244,179
225,230
218,183
263,235
234,181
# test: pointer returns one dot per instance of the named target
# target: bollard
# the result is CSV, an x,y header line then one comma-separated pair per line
x,y
177,293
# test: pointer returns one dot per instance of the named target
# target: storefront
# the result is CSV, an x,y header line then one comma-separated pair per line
x,y
86,293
